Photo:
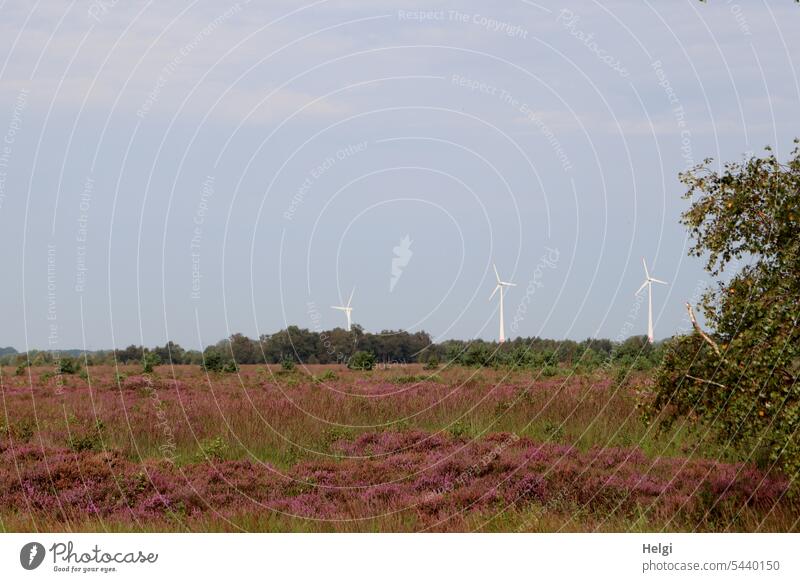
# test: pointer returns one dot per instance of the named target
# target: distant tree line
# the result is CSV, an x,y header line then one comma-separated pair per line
x,y
389,347
635,352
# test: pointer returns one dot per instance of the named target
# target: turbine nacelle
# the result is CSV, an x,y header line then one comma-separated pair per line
x,y
500,283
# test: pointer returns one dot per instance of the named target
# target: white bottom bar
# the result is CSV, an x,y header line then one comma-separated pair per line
x,y
388,557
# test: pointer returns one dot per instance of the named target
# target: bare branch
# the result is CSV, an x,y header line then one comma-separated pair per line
x,y
699,330
706,381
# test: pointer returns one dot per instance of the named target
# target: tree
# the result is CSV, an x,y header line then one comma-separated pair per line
x,y
130,354
243,349
171,353
740,377
479,353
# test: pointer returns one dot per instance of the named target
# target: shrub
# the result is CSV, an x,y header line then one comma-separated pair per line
x,y
326,376
458,429
522,357
23,430
553,430
67,366
549,371
410,379
287,365
87,439
478,354
212,362
213,449
149,361
432,363
361,361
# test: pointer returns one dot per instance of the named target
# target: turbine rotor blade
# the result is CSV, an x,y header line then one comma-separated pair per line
x,y
645,284
496,274
646,272
493,292
658,281
351,297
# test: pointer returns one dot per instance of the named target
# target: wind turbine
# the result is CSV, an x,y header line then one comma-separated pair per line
x,y
501,285
348,311
648,282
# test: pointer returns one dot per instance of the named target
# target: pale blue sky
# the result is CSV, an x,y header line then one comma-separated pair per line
x,y
297,145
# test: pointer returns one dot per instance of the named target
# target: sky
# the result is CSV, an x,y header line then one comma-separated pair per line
x,y
187,170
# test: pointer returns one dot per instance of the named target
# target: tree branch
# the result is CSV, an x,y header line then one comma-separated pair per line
x,y
699,330
706,381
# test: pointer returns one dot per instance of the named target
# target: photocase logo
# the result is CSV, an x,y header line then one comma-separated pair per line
x,y
402,255
31,555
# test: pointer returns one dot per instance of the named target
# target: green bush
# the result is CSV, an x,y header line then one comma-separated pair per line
x,y
326,376
553,430
549,371
67,366
361,361
479,354
22,430
409,379
87,438
458,429
149,361
432,363
213,449
230,367
212,362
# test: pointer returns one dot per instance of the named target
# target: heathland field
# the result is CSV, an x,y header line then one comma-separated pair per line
x,y
323,448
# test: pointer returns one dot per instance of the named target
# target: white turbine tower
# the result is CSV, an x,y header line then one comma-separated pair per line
x,y
648,282
348,311
501,285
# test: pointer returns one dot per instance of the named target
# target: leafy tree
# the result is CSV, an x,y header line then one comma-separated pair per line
x,y
395,345
741,376
171,352
243,349
336,346
291,343
130,354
